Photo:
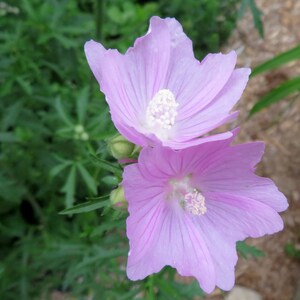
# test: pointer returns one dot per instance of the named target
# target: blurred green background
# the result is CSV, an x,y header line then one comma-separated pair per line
x,y
52,117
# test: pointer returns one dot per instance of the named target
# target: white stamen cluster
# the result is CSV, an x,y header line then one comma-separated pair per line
x,y
162,110
194,202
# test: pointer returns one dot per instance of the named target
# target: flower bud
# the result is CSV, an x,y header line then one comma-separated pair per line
x,y
120,148
117,198
79,128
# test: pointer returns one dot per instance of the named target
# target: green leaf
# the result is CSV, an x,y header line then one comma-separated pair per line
x,y
108,166
88,179
86,206
167,289
59,168
69,187
277,61
277,94
256,14
246,250
8,137
81,104
292,251
63,115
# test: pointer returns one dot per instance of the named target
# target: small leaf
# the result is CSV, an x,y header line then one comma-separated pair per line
x,y
256,13
292,251
62,113
245,250
277,94
88,179
8,137
108,166
277,61
81,104
86,206
58,168
69,187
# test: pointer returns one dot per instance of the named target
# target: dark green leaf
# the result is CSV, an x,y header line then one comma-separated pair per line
x,y
81,104
108,166
62,113
277,94
86,206
277,61
69,187
291,250
246,250
88,179
59,168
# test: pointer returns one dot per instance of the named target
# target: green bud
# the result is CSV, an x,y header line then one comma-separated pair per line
x,y
117,198
120,148
78,128
84,136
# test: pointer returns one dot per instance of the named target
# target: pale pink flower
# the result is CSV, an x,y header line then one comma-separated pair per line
x,y
188,208
158,93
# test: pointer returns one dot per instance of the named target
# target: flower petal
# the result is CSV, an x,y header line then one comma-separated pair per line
x,y
172,240
232,172
130,81
222,249
240,217
160,235
215,113
196,84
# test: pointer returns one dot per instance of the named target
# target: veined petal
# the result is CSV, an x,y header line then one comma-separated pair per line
x,y
196,84
240,217
215,113
222,249
172,240
232,172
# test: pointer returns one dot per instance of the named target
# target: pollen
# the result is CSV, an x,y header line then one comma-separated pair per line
x,y
162,110
194,203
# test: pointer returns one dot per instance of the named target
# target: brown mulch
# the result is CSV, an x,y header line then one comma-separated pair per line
x,y
276,275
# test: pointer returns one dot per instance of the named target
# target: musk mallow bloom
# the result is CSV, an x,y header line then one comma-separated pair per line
x,y
188,208
159,93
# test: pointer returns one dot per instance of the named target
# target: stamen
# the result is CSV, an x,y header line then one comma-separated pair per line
x,y
194,202
162,110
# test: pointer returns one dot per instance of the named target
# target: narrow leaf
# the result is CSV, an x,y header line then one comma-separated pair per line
x,y
62,113
246,250
277,94
81,104
69,187
58,168
86,207
277,61
108,166
88,179
256,13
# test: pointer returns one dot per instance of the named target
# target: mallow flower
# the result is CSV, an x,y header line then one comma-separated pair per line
x,y
159,93
188,208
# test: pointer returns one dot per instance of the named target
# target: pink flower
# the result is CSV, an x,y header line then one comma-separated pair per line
x,y
188,209
158,93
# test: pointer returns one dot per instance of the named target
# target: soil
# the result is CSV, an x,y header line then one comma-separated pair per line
x,y
275,276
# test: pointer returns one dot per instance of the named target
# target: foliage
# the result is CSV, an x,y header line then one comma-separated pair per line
x,y
53,126
256,14
209,22
246,250
290,86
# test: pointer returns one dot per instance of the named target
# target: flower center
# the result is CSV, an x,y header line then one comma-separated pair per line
x,y
190,199
194,202
162,110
